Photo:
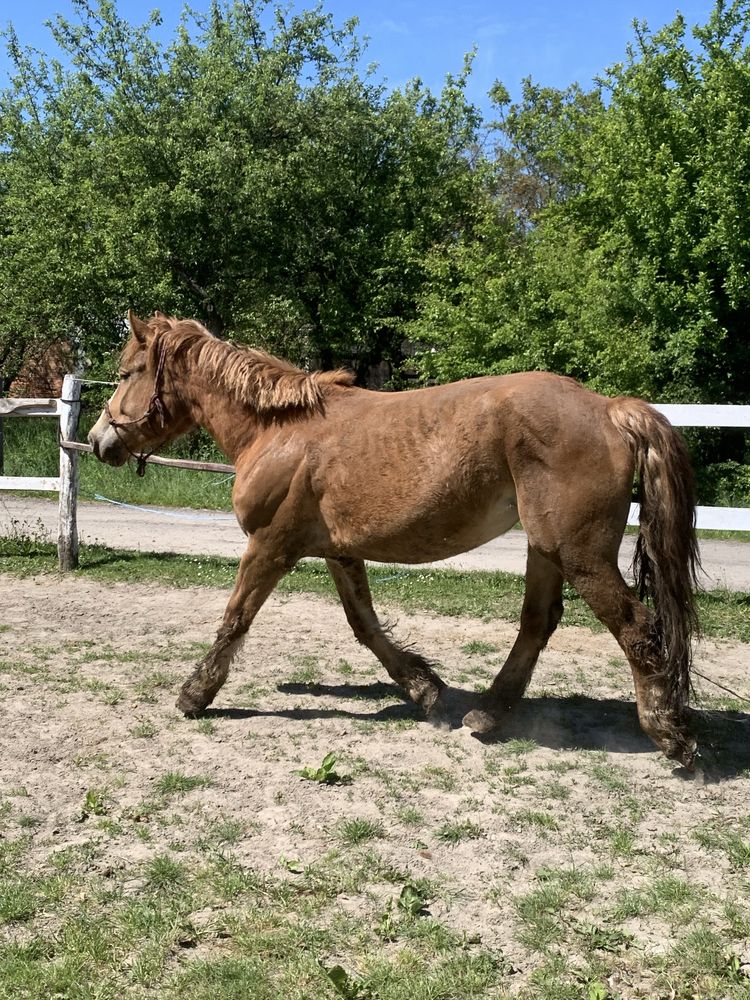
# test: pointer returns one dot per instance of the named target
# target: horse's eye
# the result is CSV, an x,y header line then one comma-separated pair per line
x,y
124,376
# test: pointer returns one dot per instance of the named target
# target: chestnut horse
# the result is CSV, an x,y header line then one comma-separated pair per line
x,y
331,470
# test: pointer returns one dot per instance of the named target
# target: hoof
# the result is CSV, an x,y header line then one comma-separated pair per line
x,y
684,751
480,721
437,715
191,706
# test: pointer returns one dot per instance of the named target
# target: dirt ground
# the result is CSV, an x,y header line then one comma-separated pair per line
x,y
90,674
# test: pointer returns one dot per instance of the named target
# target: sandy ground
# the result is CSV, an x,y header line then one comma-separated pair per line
x,y
725,563
84,665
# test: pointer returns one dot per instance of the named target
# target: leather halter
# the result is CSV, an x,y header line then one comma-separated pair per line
x,y
155,408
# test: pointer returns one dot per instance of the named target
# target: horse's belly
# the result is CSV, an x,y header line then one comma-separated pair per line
x,y
430,539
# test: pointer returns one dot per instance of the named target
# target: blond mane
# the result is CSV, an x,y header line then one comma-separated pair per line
x,y
269,385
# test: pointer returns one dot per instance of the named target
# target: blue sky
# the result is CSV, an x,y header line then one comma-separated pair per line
x,y
555,43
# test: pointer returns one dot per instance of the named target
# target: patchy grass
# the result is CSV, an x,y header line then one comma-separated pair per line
x,y
724,614
144,855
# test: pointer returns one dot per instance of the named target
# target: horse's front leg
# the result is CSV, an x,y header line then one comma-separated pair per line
x,y
258,574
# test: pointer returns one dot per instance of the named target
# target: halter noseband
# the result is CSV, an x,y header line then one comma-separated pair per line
x,y
155,408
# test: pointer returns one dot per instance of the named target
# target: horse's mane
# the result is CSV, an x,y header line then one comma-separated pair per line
x,y
269,385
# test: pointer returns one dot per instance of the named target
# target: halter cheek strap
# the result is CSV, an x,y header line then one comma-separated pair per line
x,y
155,409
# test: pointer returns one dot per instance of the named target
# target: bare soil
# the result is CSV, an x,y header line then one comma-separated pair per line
x,y
87,669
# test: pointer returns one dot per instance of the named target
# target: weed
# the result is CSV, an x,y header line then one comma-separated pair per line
x,y
453,833
29,822
604,938
174,783
357,831
410,816
519,747
344,984
96,803
164,874
325,774
223,833
478,648
206,727
410,904
440,778
144,730
540,820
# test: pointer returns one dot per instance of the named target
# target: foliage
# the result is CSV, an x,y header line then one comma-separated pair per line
x,y
244,174
326,773
627,266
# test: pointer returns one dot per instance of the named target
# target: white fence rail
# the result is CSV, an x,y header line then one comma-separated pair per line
x,y
708,415
67,410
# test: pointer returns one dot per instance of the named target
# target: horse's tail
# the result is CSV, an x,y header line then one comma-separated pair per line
x,y
666,561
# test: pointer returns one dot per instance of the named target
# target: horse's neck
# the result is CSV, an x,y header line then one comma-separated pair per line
x,y
231,423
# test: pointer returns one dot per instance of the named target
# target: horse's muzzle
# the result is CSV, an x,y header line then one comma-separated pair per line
x,y
107,448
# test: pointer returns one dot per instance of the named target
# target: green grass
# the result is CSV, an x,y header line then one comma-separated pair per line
x,y
175,783
455,832
359,830
30,449
487,596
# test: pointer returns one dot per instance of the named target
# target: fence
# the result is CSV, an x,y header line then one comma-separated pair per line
x,y
706,415
67,410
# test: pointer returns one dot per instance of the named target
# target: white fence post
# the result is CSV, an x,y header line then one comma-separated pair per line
x,y
67,539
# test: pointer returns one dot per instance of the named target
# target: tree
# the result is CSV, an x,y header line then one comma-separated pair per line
x,y
245,174
629,268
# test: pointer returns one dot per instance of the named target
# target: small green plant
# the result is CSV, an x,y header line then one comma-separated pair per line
x,y
610,939
96,803
412,900
410,816
344,984
540,820
357,831
452,833
206,727
598,991
410,904
174,783
223,833
164,874
29,822
293,865
325,774
144,730
478,648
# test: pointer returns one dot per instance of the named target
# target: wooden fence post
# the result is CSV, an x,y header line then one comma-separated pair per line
x,y
67,539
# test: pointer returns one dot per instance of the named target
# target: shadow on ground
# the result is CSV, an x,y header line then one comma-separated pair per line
x,y
570,722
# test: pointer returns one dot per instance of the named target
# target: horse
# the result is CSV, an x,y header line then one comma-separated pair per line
x,y
325,468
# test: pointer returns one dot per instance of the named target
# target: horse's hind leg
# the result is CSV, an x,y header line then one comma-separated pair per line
x,y
258,574
541,612
602,587
409,670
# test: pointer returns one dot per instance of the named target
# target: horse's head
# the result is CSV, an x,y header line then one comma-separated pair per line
x,y
145,411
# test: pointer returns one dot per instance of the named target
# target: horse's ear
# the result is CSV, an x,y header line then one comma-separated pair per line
x,y
138,328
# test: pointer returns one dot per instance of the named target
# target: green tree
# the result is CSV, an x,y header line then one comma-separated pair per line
x,y
244,174
629,264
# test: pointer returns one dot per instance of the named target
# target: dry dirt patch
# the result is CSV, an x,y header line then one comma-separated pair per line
x,y
572,798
